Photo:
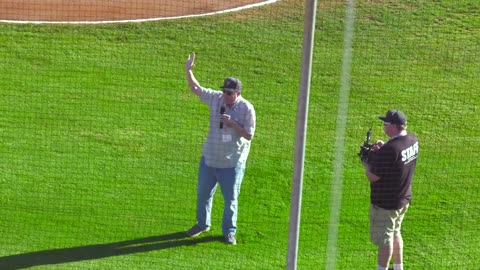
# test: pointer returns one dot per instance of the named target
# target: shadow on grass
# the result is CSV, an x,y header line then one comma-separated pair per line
x,y
93,252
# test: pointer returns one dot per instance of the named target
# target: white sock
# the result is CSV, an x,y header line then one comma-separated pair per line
x,y
398,266
381,268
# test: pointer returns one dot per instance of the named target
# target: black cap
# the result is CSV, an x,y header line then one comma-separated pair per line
x,y
232,84
394,117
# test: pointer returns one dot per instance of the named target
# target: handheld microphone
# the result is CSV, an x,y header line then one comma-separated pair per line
x,y
222,111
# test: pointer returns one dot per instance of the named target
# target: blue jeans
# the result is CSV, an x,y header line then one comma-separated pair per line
x,y
230,180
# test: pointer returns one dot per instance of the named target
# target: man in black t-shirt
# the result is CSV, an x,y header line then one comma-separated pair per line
x,y
389,168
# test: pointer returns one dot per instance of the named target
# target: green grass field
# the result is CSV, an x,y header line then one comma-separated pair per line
x,y
101,138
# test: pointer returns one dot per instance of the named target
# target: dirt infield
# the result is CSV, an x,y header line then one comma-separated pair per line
x,y
110,10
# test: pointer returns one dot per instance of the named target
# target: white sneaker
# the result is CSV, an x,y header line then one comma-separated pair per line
x,y
230,239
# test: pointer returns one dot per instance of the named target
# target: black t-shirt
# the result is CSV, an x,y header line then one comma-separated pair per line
x,y
395,164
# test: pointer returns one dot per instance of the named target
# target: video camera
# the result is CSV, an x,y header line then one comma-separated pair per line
x,y
366,147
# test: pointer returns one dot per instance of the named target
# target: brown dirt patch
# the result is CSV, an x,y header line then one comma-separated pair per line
x,y
108,10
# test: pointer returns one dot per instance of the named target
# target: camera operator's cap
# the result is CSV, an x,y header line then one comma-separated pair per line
x,y
232,84
394,117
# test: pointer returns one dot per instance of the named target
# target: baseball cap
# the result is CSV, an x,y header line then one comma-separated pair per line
x,y
394,117
232,83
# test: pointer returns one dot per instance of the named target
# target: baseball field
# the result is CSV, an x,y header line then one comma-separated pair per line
x,y
100,137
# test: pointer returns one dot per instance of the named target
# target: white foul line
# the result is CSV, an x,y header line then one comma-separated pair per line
x,y
336,199
148,19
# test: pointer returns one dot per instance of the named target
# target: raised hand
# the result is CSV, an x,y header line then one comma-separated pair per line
x,y
190,62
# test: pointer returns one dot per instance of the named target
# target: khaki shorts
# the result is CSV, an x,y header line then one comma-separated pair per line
x,y
385,224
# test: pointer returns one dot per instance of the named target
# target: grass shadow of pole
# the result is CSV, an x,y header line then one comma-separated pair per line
x,y
93,252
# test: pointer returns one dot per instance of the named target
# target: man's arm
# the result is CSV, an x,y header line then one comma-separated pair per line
x,y
371,176
242,131
225,118
192,81
247,128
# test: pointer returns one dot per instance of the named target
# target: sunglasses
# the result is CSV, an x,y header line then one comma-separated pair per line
x,y
228,92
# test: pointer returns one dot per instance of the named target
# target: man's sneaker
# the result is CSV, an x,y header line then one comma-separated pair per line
x,y
196,231
230,239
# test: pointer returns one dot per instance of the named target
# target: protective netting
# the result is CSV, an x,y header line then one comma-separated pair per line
x,y
101,138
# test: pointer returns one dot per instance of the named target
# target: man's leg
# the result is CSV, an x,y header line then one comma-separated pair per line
x,y
398,251
382,234
230,181
206,187
398,240
384,254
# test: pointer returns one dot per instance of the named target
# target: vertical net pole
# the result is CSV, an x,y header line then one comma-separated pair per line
x,y
301,132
